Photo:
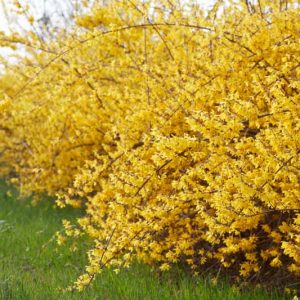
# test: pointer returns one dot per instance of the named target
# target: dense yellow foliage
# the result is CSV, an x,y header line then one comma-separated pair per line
x,y
177,130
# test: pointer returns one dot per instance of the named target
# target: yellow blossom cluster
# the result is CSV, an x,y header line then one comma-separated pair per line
x,y
177,130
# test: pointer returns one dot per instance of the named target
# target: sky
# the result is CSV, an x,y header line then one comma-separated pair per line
x,y
53,8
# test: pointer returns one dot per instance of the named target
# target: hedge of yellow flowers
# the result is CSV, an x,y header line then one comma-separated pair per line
x,y
176,129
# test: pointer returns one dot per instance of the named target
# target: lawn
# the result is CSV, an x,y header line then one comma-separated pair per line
x,y
33,266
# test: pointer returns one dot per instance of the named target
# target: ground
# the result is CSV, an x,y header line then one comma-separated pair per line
x,y
33,266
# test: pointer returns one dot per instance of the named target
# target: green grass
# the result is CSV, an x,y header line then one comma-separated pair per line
x,y
30,271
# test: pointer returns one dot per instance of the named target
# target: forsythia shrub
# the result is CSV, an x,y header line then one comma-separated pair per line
x,y
177,129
